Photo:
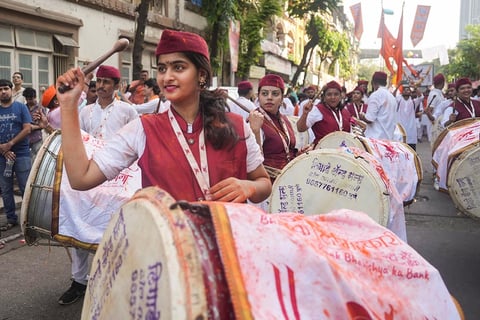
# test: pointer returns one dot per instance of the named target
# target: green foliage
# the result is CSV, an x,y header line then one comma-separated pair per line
x,y
464,60
254,18
302,8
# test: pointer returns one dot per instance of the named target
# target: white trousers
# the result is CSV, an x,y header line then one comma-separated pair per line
x,y
80,265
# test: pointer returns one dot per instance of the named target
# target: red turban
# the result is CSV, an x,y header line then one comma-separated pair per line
x,y
244,85
333,85
180,41
272,80
438,79
108,72
380,75
461,82
48,96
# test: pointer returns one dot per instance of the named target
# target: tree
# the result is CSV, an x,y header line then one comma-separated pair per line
x,y
310,10
464,59
139,39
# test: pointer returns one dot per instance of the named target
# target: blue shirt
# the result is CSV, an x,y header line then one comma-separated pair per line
x,y
12,119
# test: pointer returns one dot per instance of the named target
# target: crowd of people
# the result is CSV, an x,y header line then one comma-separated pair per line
x,y
193,142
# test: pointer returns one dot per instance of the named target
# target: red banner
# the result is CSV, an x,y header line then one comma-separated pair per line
x,y
234,41
419,24
357,19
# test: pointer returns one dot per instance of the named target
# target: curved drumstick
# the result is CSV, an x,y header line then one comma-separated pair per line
x,y
120,45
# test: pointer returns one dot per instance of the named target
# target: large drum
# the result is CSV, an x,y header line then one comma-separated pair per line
x,y
51,209
211,260
329,179
399,134
401,163
455,156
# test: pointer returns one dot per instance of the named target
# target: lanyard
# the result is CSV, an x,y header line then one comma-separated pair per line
x,y
285,137
201,176
357,109
338,118
472,110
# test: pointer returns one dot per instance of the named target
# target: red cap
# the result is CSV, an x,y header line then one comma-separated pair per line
x,y
380,75
310,88
244,85
180,41
272,80
362,82
451,85
333,85
461,82
358,88
48,96
438,79
108,72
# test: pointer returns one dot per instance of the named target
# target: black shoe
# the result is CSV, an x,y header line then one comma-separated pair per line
x,y
75,292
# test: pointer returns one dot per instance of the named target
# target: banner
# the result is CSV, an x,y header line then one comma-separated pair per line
x,y
357,19
419,24
234,41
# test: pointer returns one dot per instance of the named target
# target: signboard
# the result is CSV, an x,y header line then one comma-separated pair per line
x,y
422,75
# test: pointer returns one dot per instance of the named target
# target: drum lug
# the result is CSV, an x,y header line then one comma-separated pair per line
x,y
200,209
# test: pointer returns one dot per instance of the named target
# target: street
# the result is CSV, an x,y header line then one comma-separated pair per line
x,y
33,277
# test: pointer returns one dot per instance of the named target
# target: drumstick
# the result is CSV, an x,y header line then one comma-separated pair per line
x,y
239,104
120,45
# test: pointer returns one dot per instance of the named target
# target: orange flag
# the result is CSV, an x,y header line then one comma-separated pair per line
x,y
398,53
419,24
388,43
357,19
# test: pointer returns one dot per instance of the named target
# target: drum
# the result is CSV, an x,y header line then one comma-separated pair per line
x,y
51,209
454,140
329,179
158,259
464,179
437,128
399,160
302,138
212,260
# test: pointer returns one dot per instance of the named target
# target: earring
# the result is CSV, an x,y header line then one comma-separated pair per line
x,y
202,83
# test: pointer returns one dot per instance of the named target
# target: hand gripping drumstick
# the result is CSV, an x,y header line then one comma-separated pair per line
x,y
120,45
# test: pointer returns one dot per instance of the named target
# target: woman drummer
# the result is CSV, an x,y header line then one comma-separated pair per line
x,y
273,131
194,151
327,116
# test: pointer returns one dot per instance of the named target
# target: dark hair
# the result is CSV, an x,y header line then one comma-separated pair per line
x,y
29,93
19,73
243,92
218,128
6,83
152,83
92,84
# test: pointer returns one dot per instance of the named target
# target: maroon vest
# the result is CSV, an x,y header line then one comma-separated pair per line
x,y
164,164
351,108
329,123
463,112
273,149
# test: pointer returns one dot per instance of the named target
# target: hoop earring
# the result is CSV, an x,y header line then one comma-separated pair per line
x,y
202,83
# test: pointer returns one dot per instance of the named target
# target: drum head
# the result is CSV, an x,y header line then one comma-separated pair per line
x,y
463,181
339,139
327,179
146,265
400,134
36,210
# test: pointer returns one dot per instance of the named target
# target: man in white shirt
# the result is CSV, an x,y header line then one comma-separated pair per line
x,y
406,116
381,115
245,93
435,98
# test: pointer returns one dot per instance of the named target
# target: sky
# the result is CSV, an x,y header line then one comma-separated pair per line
x,y
442,26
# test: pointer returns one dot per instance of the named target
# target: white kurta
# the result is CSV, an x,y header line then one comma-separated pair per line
x,y
382,113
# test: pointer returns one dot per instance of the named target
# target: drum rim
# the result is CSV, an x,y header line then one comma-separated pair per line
x,y
351,137
384,214
456,125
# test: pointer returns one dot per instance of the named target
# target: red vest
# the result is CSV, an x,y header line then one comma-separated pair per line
x,y
463,112
329,123
273,149
164,164
351,108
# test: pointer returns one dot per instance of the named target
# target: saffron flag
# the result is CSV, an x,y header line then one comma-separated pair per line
x,y
234,41
357,19
398,53
419,24
388,43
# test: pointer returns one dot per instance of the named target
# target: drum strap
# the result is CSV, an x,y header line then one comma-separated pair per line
x,y
201,176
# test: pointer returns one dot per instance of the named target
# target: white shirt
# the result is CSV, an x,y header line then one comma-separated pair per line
x,y
303,103
104,123
440,109
287,108
129,144
147,107
406,117
382,113
238,110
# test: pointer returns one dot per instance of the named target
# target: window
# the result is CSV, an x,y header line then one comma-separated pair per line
x,y
5,64
6,36
29,39
36,69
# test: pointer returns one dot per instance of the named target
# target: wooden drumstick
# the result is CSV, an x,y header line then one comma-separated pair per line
x,y
238,104
120,45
